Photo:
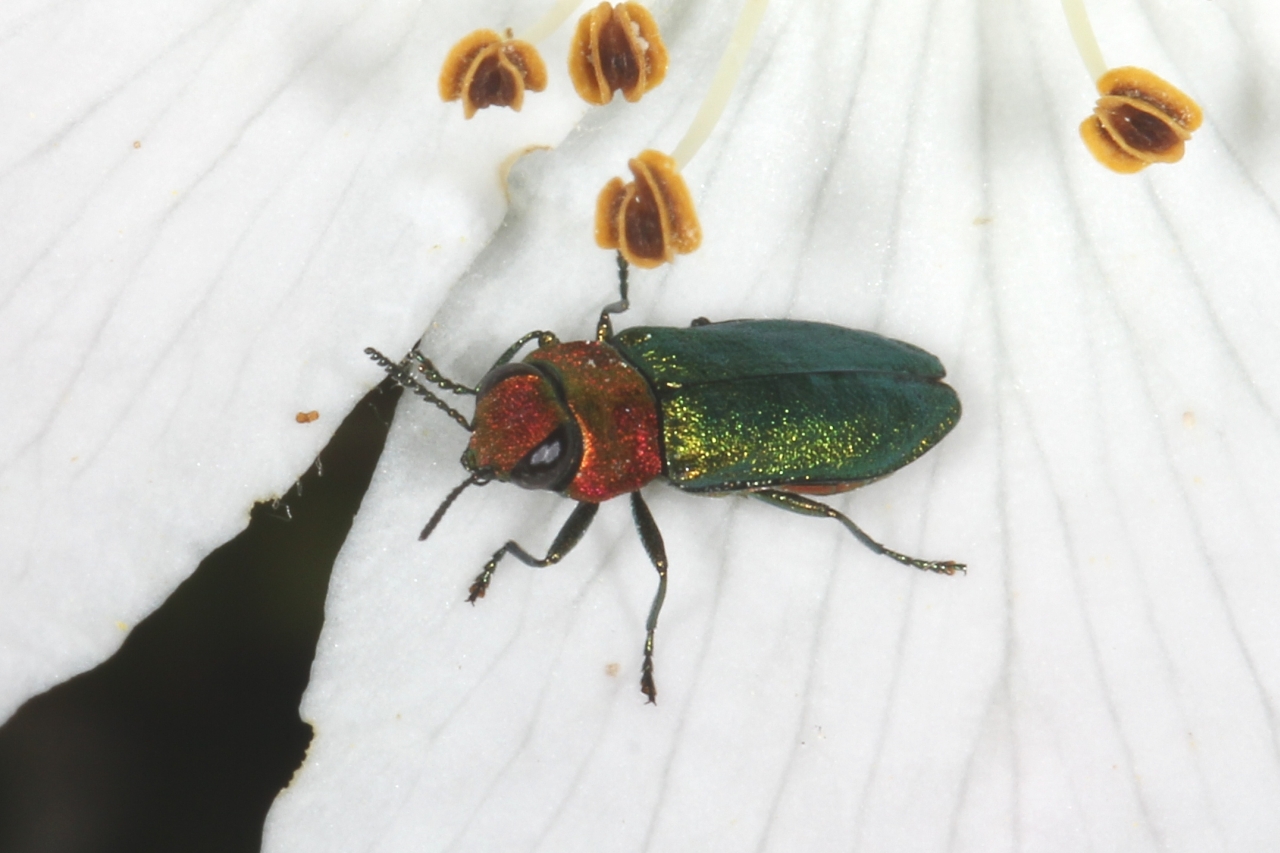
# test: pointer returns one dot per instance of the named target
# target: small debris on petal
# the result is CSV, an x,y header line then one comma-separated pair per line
x,y
651,219
485,69
616,48
307,417
1140,119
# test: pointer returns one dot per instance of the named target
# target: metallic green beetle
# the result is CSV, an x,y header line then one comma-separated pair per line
x,y
780,410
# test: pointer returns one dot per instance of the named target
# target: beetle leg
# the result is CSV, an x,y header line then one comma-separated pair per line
x,y
651,537
569,536
604,329
543,338
808,506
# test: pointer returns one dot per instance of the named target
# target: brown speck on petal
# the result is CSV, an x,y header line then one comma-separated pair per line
x,y
1140,119
485,69
651,219
616,48
307,417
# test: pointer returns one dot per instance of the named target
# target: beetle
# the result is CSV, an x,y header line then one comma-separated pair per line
x,y
779,410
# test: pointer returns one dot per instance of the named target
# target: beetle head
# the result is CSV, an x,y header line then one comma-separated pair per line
x,y
523,431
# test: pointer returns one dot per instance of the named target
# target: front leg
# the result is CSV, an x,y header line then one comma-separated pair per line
x,y
569,536
604,328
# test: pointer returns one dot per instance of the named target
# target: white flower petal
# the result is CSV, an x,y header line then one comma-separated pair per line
x,y
1106,675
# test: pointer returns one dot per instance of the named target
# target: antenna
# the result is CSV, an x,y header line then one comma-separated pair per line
x,y
398,372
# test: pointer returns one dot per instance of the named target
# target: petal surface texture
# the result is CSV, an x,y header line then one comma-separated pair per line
x,y
211,207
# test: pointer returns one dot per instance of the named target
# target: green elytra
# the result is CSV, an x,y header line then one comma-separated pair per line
x,y
749,404
779,410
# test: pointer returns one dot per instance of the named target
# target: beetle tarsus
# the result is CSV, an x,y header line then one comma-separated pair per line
x,y
942,567
808,506
646,675
481,584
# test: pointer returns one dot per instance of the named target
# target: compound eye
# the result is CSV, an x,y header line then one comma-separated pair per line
x,y
550,465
